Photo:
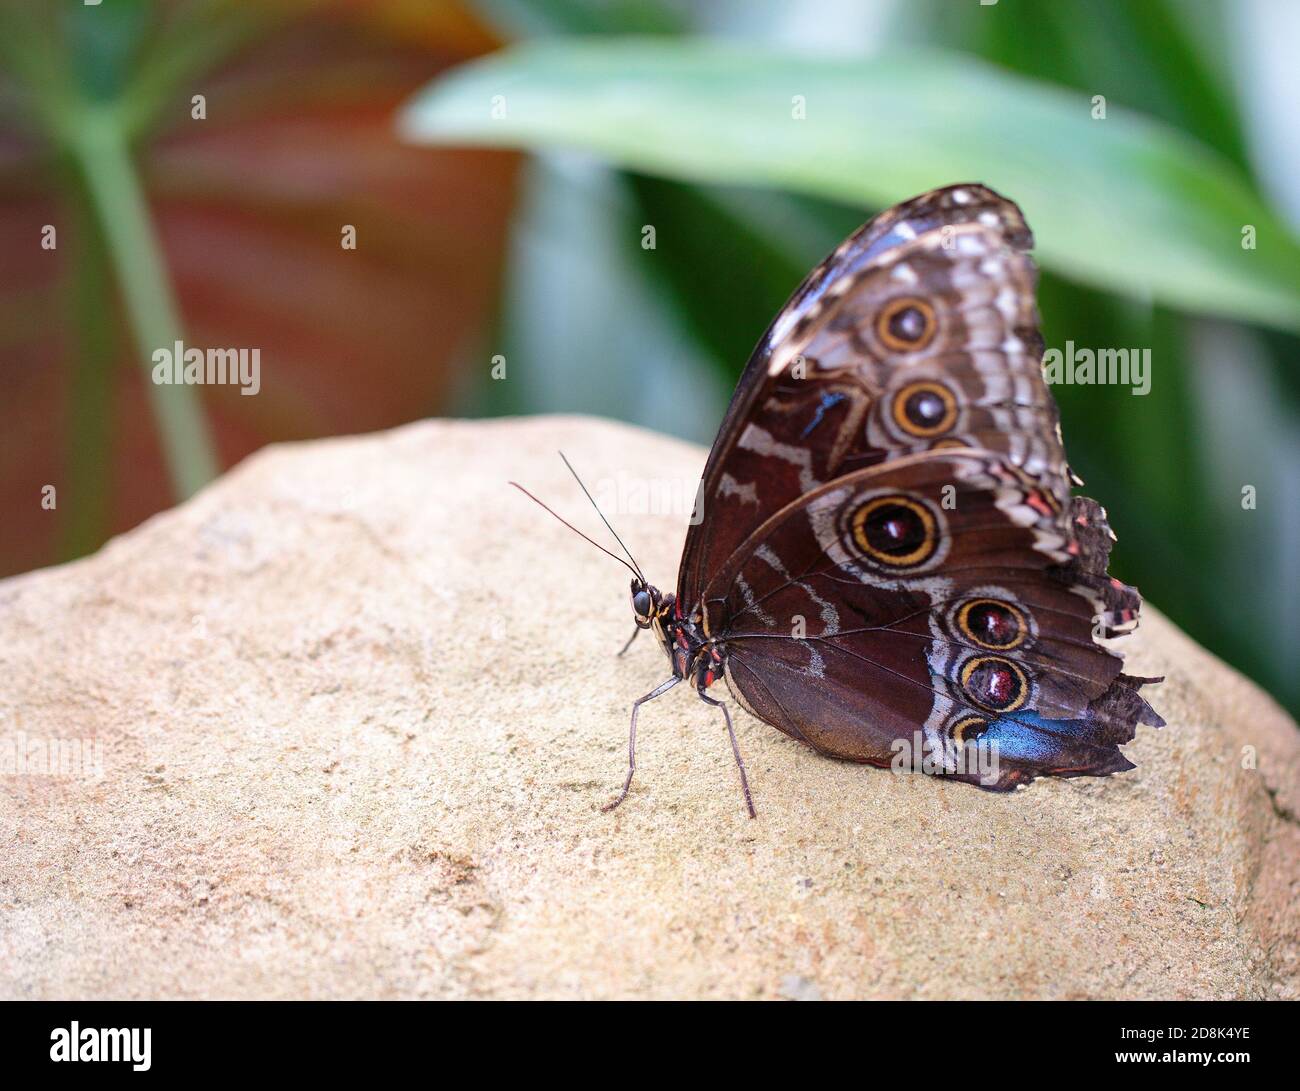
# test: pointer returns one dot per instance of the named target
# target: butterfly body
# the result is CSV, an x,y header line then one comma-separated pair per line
x,y
889,549
692,654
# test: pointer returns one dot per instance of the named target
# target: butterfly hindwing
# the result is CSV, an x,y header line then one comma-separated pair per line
x,y
935,594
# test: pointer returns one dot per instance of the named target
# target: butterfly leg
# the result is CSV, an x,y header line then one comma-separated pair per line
x,y
735,749
630,639
662,688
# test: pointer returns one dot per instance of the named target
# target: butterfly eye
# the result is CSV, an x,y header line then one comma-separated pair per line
x,y
992,624
906,324
994,683
641,603
925,409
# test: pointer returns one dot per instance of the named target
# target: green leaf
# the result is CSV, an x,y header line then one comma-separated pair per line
x,y
1125,203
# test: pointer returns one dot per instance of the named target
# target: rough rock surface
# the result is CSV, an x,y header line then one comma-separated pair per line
x,y
359,706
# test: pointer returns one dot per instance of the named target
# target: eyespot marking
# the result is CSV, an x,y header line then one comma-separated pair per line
x,y
992,623
968,729
894,530
995,683
925,409
906,324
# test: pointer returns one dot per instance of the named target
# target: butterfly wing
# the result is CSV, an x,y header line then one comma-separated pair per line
x,y
936,593
919,331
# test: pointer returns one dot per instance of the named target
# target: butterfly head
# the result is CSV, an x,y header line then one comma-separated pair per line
x,y
646,603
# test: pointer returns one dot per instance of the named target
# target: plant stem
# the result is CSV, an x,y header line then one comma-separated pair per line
x,y
92,345
99,145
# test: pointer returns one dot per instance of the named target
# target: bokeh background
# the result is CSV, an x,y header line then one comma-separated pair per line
x,y
500,162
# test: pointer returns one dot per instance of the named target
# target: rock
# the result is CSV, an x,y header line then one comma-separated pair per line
x,y
358,707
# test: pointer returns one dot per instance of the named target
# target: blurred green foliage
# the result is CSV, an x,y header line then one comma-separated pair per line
x,y
1138,222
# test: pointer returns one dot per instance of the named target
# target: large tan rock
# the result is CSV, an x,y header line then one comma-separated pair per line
x,y
359,706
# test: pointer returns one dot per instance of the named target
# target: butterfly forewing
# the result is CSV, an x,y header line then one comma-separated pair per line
x,y
920,331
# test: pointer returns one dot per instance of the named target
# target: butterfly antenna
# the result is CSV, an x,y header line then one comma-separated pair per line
x,y
636,567
578,532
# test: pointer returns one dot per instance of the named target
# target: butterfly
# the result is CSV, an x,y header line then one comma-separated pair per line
x,y
888,563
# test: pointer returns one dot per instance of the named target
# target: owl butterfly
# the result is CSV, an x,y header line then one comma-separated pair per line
x,y
889,552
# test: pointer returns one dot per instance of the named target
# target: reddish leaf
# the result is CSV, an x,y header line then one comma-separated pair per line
x,y
250,204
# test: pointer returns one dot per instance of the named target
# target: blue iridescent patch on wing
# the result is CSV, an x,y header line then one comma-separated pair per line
x,y
828,400
1018,740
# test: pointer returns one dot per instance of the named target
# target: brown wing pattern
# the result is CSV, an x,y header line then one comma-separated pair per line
x,y
919,332
933,595
889,543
